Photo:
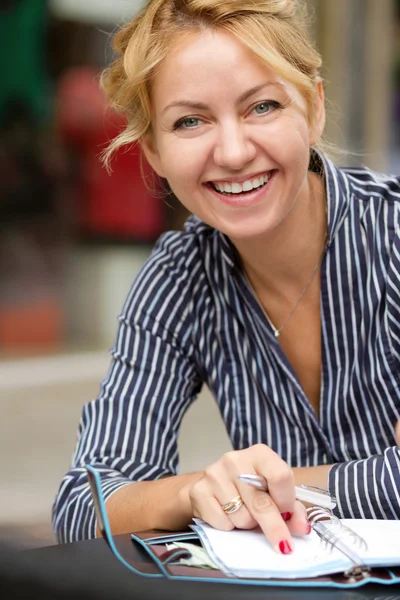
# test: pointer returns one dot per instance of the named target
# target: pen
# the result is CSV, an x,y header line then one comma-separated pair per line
x,y
305,493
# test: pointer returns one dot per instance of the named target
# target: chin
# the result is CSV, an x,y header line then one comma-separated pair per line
x,y
245,231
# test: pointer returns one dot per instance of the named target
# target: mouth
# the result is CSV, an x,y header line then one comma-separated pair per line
x,y
236,189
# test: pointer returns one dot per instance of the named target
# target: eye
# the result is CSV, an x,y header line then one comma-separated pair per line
x,y
187,123
265,107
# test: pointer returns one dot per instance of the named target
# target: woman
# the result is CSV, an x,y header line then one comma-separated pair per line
x,y
282,294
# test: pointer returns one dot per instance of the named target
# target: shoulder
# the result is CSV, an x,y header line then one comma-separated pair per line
x,y
176,265
183,249
368,184
184,253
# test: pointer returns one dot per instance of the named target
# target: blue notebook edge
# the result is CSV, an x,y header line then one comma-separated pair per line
x,y
165,537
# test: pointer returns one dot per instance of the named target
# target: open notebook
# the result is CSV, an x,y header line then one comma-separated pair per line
x,y
345,553
239,553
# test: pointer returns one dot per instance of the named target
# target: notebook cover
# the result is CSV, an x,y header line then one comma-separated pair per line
x,y
155,545
152,544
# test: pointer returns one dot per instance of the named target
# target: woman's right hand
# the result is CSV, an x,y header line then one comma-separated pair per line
x,y
277,511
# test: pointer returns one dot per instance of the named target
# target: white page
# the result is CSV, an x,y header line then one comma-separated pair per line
x,y
249,554
382,538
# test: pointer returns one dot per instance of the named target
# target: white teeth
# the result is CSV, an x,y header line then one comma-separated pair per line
x,y
236,188
246,186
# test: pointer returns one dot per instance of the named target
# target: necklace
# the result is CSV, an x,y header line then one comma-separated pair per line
x,y
277,332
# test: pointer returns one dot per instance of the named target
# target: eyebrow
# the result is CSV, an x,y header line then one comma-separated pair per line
x,y
245,96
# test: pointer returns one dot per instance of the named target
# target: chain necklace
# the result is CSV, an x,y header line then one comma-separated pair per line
x,y
277,332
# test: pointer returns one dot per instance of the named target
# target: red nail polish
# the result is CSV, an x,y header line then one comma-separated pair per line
x,y
285,547
286,516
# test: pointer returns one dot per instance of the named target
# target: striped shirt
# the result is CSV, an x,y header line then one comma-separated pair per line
x,y
191,319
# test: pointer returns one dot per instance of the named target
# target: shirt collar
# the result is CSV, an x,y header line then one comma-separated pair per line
x,y
338,194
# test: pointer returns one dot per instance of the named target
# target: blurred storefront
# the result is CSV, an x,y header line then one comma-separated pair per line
x,y
358,39
59,208
72,237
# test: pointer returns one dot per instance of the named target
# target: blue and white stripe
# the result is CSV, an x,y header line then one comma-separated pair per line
x,y
190,319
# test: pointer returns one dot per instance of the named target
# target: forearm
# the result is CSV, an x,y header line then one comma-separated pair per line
x,y
165,504
159,504
315,476
367,488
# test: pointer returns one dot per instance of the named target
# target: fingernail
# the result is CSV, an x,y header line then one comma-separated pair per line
x,y
309,529
286,516
285,547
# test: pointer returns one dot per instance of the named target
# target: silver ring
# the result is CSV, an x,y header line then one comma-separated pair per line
x,y
233,506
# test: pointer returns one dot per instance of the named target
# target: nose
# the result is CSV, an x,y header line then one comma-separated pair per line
x,y
234,148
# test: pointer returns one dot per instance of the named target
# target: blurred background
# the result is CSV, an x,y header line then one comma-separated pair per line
x,y
73,237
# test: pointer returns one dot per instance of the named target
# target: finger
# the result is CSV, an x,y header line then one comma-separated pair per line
x,y
241,518
264,510
209,509
298,523
281,486
221,481
209,495
282,490
264,461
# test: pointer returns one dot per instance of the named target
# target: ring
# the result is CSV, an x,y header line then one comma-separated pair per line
x,y
231,507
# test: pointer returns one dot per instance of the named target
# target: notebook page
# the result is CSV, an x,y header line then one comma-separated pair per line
x,y
382,538
249,554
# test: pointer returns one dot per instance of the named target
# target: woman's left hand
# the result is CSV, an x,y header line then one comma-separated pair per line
x,y
397,432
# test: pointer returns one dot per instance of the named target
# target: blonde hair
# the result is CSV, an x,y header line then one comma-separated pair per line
x,y
275,30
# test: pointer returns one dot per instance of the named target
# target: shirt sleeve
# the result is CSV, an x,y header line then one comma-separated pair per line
x,y
368,488
129,432
393,291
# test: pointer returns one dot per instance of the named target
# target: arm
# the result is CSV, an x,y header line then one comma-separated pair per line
x,y
316,476
368,488
129,433
161,504
165,503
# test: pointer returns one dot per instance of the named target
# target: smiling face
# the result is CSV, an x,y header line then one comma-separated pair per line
x,y
230,136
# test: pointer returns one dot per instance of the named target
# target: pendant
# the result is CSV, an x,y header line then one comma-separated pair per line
x,y
277,333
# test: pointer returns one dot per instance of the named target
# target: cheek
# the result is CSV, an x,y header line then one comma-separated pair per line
x,y
294,149
285,140
182,179
183,169
302,134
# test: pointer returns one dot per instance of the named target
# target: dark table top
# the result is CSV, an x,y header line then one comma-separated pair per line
x,y
89,570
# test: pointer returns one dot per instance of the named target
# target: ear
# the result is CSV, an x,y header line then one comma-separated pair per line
x,y
149,147
318,127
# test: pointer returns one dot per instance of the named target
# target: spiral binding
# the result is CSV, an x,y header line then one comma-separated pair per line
x,y
317,514
334,534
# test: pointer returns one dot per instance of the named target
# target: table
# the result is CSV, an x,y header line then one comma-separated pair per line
x,y
90,566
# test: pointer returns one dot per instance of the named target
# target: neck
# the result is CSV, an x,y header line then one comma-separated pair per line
x,y
280,261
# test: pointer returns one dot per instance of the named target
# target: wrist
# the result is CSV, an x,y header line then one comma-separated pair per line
x,y
173,502
316,476
184,502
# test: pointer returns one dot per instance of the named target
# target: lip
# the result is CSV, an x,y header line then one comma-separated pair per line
x,y
242,178
243,201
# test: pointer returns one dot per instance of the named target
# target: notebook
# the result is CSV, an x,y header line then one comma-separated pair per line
x,y
241,553
338,553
